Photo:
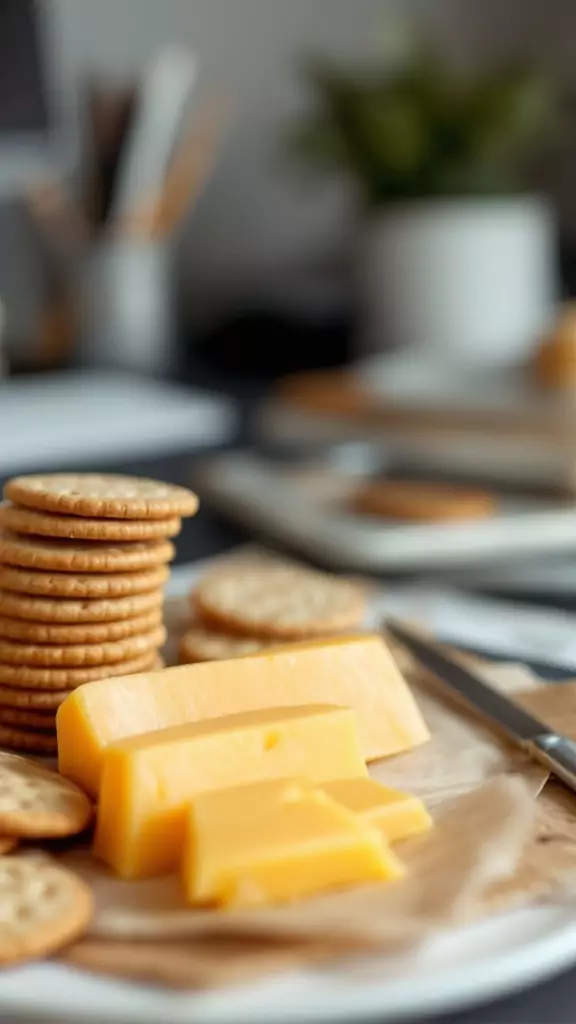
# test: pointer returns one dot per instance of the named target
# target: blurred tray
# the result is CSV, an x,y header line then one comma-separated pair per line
x,y
303,505
505,461
364,401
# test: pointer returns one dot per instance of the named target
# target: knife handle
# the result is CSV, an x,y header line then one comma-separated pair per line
x,y
558,754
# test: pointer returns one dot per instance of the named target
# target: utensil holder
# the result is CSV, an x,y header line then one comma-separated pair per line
x,y
129,314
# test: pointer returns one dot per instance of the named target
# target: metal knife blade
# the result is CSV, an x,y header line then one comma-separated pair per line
x,y
557,752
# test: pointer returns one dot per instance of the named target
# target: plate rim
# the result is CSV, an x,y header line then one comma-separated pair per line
x,y
550,953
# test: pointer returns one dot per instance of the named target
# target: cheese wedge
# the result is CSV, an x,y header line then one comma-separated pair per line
x,y
398,815
147,780
300,842
356,672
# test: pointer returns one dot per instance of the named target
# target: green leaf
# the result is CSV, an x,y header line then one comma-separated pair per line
x,y
423,130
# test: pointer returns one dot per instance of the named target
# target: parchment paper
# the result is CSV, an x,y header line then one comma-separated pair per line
x,y
494,844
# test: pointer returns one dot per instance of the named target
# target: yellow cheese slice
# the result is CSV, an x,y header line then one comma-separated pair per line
x,y
356,672
397,814
299,842
147,780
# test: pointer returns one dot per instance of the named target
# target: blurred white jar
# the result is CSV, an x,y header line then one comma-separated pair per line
x,y
459,282
129,315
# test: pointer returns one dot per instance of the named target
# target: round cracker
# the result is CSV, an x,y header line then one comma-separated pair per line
x,y
45,524
419,501
100,495
38,803
71,655
58,610
279,602
24,718
28,741
82,556
200,643
19,697
46,701
82,585
80,633
44,907
69,678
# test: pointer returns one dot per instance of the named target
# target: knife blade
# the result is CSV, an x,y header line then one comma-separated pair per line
x,y
552,749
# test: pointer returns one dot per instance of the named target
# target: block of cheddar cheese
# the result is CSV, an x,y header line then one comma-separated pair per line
x,y
356,672
147,780
399,815
300,842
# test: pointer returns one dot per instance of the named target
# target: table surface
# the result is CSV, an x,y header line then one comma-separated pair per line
x,y
206,535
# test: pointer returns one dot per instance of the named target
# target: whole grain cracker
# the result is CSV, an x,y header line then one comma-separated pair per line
x,y
200,643
77,585
58,610
46,524
71,655
420,501
38,803
279,602
80,633
24,718
82,556
31,678
44,907
102,496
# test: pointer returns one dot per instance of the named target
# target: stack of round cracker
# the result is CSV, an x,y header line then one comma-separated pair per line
x,y
83,563
241,608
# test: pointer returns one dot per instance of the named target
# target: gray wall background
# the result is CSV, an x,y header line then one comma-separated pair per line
x,y
257,228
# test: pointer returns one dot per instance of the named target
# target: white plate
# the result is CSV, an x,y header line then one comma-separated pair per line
x,y
481,963
460,969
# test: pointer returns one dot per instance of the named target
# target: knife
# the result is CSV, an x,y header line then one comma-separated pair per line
x,y
550,748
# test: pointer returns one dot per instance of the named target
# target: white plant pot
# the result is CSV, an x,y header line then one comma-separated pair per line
x,y
459,282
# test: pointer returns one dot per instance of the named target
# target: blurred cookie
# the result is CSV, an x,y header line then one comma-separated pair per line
x,y
200,643
555,361
279,602
419,501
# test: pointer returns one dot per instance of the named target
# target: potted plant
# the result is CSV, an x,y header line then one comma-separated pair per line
x,y
457,258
